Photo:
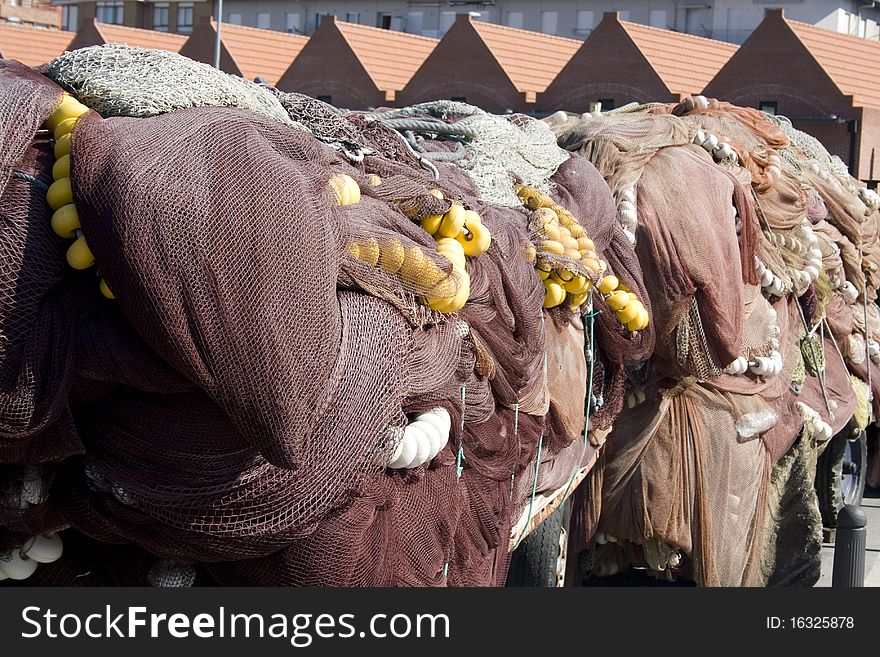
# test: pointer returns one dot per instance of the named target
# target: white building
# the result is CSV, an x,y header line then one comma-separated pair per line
x,y
729,20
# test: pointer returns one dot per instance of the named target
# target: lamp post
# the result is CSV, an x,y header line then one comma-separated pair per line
x,y
219,4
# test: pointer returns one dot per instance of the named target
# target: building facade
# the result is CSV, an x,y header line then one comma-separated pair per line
x,y
29,12
727,20
175,17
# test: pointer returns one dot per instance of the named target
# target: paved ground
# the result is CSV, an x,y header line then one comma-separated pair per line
x,y
871,505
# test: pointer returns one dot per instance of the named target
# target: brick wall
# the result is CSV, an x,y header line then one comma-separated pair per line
x,y
607,66
461,66
773,65
327,66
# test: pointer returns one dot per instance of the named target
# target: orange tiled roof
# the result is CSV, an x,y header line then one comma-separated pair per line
x,y
138,38
852,63
31,45
390,58
531,59
684,62
268,53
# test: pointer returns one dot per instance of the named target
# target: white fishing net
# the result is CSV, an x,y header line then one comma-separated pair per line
x,y
118,80
500,145
811,147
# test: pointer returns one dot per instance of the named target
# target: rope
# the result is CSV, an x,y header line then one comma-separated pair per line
x,y
459,468
590,355
815,358
865,311
36,182
516,438
534,489
429,126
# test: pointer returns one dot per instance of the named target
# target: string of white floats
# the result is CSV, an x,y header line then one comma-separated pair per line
x,y
21,563
720,150
814,424
422,440
767,366
626,213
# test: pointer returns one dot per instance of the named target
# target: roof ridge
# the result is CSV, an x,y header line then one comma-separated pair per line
x,y
833,33
483,24
664,31
129,28
256,29
384,31
34,28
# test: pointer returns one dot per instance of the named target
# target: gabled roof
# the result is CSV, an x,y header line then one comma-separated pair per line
x,y
390,58
684,62
852,63
530,59
267,53
138,38
31,45
93,33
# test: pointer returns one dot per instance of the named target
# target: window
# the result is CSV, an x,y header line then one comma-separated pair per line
x,y
160,17
515,19
768,106
447,18
15,3
548,21
69,18
234,19
383,21
109,12
414,22
352,17
264,20
293,23
657,18
584,24
184,18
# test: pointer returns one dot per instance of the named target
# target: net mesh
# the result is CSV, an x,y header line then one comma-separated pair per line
x,y
231,414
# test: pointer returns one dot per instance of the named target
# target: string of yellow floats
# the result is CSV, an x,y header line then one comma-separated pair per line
x,y
59,196
560,234
458,232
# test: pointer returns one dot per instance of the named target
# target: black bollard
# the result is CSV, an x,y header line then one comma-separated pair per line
x,y
849,548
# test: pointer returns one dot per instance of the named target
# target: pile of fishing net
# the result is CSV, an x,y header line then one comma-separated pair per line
x,y
760,255
268,363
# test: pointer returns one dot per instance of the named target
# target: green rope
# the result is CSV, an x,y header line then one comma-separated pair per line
x,y
516,438
534,489
591,317
460,456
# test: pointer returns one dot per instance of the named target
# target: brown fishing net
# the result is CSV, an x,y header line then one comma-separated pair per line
x,y
228,418
734,210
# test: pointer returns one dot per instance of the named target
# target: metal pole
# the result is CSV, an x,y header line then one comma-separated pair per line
x,y
849,548
217,40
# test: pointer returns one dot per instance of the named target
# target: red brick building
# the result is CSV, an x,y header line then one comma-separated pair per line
x,y
497,68
827,83
355,66
31,45
245,51
622,62
94,33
